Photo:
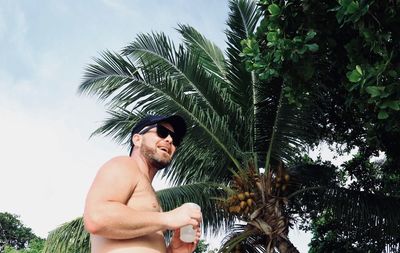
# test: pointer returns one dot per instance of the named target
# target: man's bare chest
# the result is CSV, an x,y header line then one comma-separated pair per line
x,y
144,198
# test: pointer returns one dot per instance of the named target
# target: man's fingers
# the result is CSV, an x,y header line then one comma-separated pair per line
x,y
176,233
198,214
198,217
195,223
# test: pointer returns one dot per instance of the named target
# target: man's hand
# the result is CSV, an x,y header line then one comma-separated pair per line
x,y
182,216
178,246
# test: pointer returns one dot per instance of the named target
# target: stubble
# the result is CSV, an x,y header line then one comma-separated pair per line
x,y
156,160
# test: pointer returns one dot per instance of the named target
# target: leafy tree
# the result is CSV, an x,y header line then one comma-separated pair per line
x,y
343,55
13,233
201,247
242,159
35,246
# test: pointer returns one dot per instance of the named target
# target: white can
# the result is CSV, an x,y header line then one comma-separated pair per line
x,y
188,234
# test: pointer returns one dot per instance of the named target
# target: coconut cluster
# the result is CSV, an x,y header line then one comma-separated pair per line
x,y
241,203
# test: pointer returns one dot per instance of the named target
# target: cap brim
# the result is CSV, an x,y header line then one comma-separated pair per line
x,y
178,123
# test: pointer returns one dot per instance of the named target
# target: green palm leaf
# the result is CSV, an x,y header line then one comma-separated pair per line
x,y
156,51
108,75
71,237
318,192
365,209
205,195
244,240
116,124
242,21
211,57
165,95
290,127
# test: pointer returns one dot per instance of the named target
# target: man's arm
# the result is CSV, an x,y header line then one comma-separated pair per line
x,y
106,213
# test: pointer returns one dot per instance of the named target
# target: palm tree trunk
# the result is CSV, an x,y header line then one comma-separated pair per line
x,y
285,246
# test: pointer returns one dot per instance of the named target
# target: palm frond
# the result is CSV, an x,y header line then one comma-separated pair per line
x,y
205,195
152,48
211,57
290,128
107,75
177,78
243,239
115,79
213,126
313,175
70,237
156,51
242,21
365,209
154,92
119,125
198,161
353,208
294,130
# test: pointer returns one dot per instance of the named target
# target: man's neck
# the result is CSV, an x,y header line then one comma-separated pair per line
x,y
144,166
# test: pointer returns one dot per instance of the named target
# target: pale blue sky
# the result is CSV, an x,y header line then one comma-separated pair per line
x,y
47,161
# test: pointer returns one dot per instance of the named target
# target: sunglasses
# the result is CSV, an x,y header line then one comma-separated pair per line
x,y
163,132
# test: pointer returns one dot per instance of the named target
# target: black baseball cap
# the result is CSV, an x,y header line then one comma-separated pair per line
x,y
176,121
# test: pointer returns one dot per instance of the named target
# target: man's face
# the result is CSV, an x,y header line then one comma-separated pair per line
x,y
157,150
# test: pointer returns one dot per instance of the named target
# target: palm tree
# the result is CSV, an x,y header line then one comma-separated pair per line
x,y
237,160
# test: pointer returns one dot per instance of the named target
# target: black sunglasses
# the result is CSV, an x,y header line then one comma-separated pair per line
x,y
163,132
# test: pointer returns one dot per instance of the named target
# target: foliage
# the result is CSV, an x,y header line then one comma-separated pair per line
x,y
330,236
248,130
35,246
330,233
344,56
202,247
13,233
68,238
347,51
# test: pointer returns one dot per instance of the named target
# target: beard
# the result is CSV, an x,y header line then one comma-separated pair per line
x,y
156,160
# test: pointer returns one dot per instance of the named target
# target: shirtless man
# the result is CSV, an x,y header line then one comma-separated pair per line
x,y
122,213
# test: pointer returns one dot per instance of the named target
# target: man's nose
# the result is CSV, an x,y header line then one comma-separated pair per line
x,y
168,138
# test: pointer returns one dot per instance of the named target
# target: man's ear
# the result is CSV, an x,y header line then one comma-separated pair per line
x,y
137,140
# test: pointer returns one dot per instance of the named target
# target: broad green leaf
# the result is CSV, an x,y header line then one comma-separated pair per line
x,y
274,9
312,47
359,70
392,73
393,104
383,114
353,76
345,3
272,36
310,35
373,90
305,69
367,35
352,7
302,50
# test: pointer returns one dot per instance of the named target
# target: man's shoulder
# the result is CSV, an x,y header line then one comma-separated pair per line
x,y
121,163
121,159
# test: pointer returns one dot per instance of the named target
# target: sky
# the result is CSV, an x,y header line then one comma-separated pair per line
x,y
47,158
